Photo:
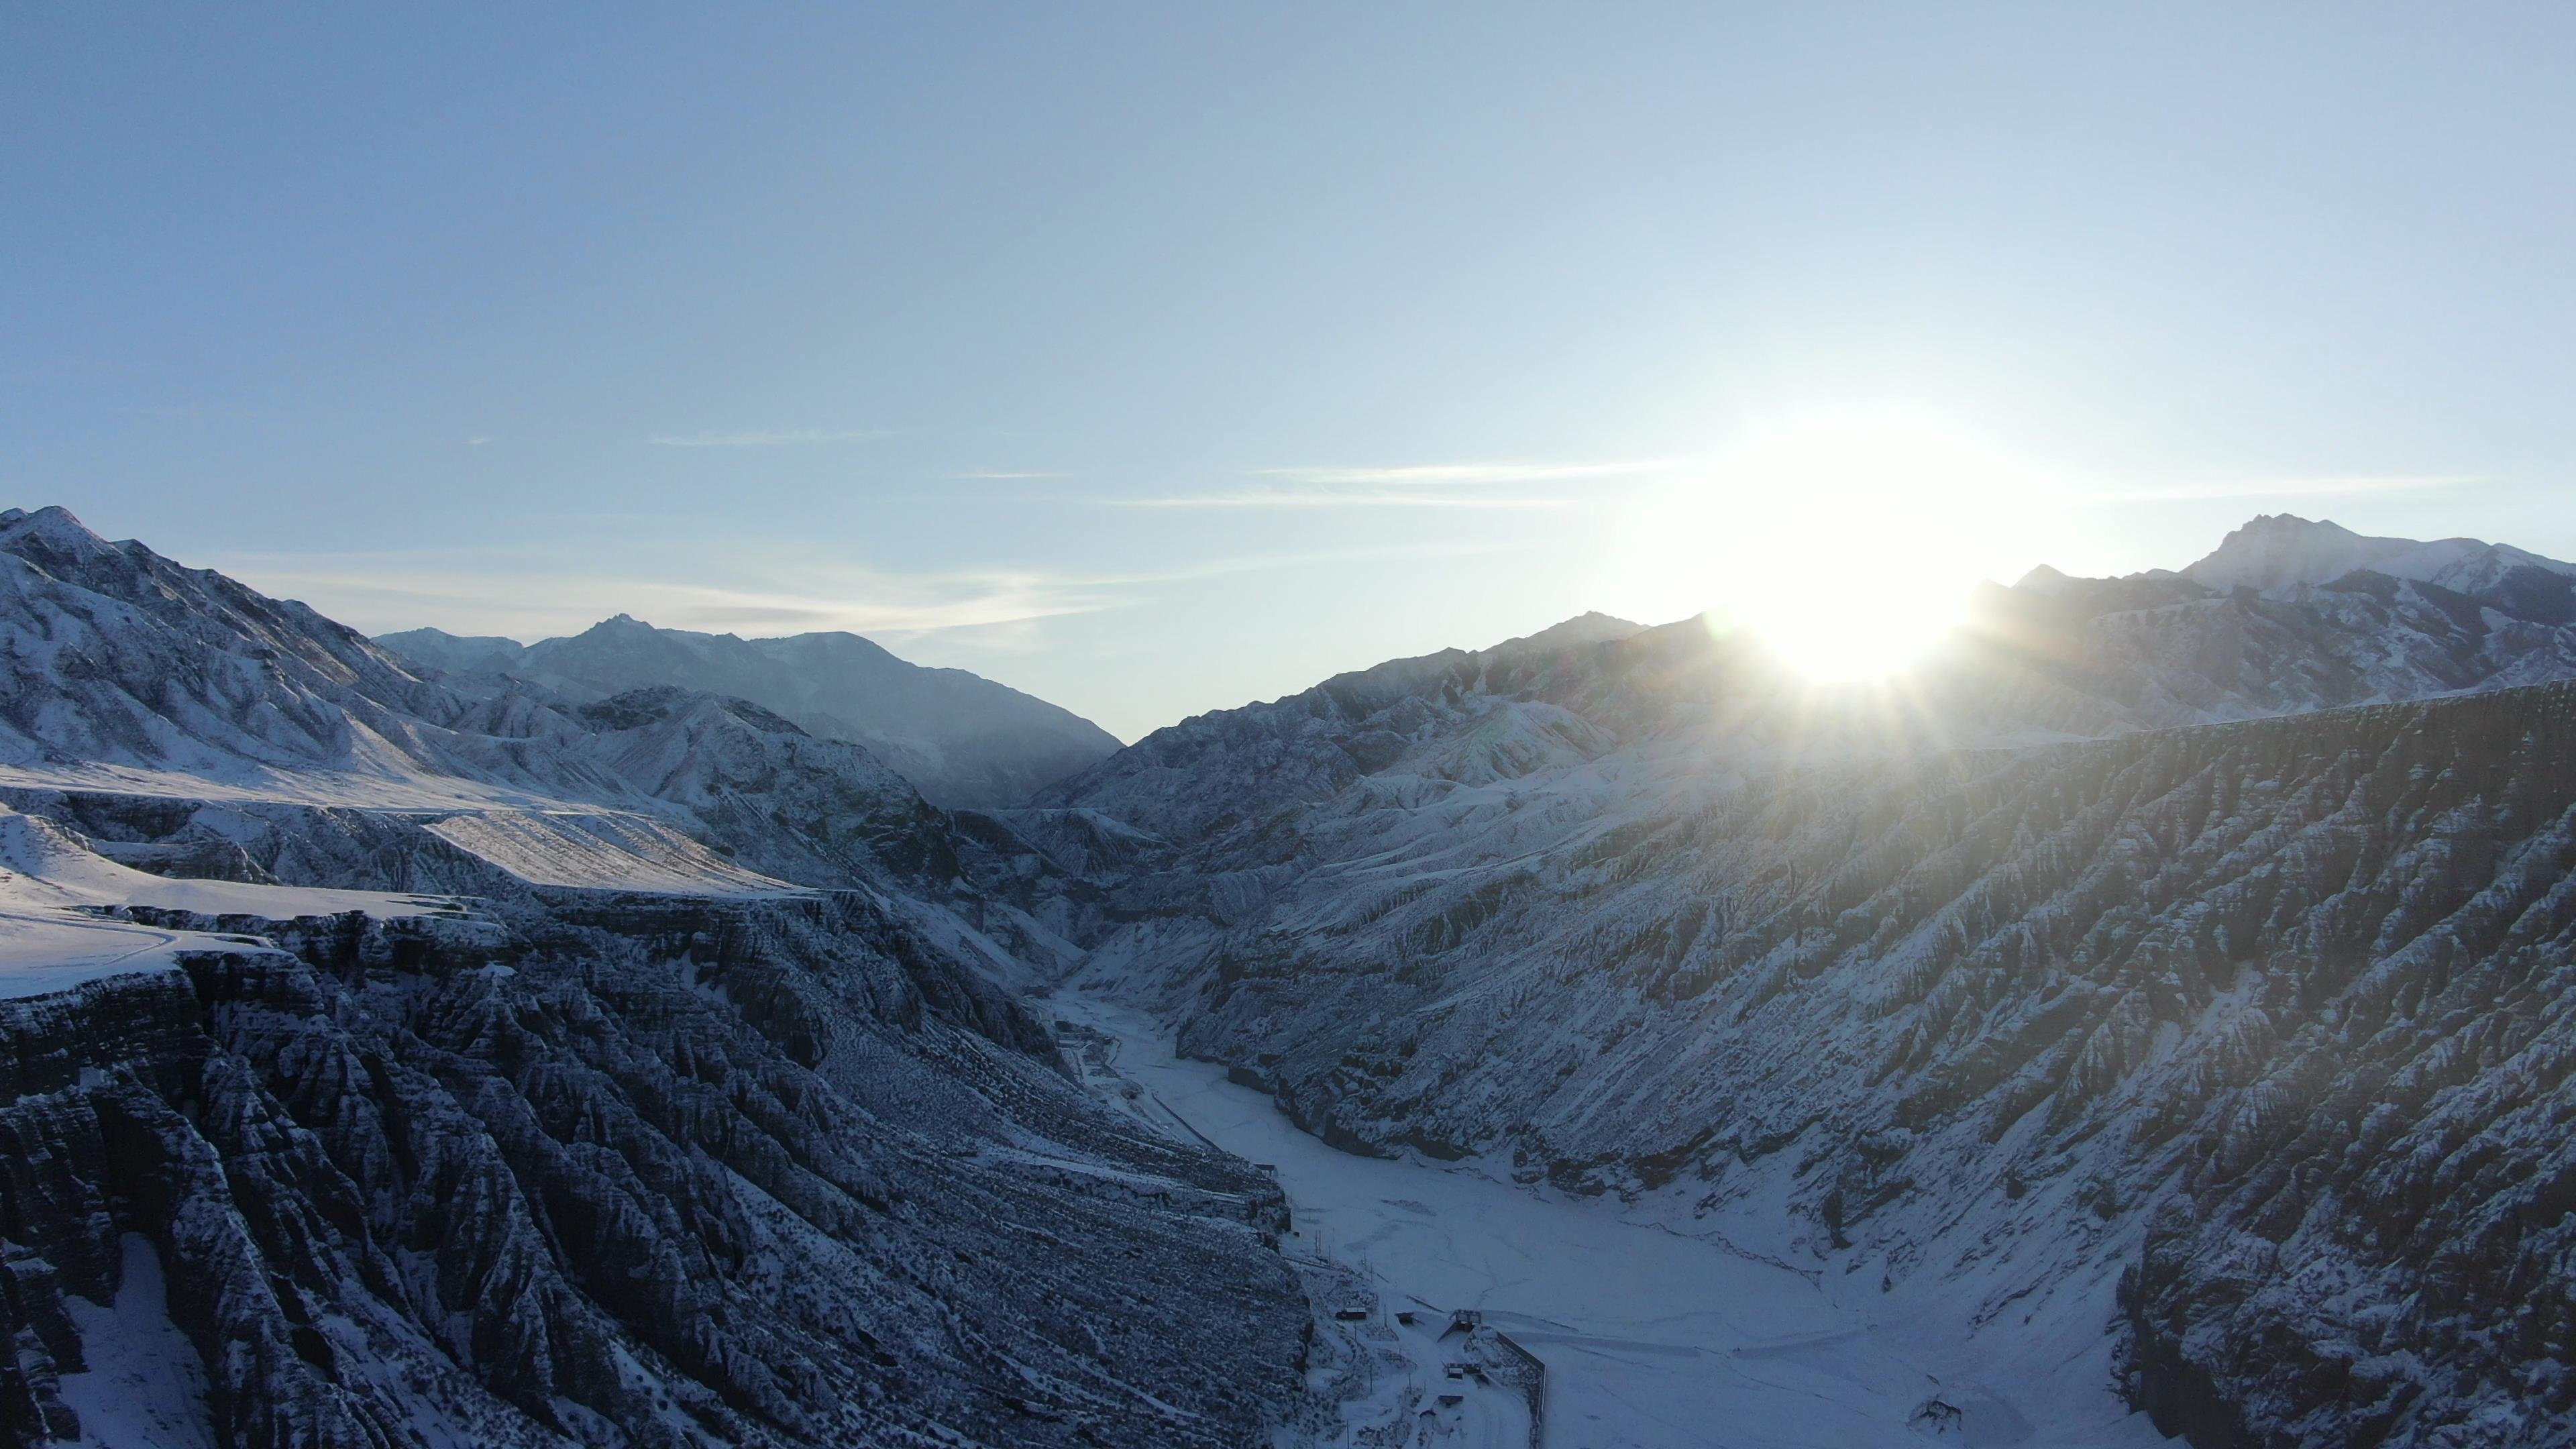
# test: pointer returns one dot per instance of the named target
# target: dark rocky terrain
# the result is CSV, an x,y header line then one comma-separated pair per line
x,y
620,1170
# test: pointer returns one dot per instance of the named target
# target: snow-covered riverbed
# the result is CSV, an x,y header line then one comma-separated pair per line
x,y
1653,1339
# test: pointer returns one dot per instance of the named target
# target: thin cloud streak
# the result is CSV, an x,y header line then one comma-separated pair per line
x,y
1279,499
1479,485
536,605
1433,475
767,437
2324,486
400,589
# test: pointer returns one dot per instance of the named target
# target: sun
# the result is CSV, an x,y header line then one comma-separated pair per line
x,y
1845,541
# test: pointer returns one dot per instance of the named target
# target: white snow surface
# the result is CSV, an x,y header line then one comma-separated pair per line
x,y
144,1388
597,849
1658,1330
49,940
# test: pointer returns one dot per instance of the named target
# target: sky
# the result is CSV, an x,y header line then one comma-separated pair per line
x,y
1155,359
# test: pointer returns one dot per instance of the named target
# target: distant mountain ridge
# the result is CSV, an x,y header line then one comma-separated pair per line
x,y
961,739
2287,614
2278,549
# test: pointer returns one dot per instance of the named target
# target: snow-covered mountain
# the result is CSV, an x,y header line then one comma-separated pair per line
x,y
399,1063
127,673
2274,550
2093,656
2002,984
962,740
2158,990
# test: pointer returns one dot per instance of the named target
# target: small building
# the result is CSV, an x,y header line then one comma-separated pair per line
x,y
1405,1317
1351,1315
1451,1401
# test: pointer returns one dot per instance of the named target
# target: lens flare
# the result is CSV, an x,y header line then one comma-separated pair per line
x,y
1846,542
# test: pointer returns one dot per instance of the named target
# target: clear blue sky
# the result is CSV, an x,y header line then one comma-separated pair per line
x,y
1155,358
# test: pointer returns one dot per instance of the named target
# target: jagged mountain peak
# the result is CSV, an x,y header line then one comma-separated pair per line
x,y
2271,549
1589,627
2044,580
54,536
53,518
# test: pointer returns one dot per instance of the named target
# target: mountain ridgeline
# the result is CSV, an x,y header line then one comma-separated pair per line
x,y
641,1038
961,740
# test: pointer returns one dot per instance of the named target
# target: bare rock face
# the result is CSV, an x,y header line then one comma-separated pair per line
x,y
624,1171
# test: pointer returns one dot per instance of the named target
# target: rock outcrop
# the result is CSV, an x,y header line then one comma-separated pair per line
x,y
624,1171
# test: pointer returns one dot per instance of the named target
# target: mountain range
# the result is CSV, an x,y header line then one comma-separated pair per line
x,y
640,1071
2181,960
2157,990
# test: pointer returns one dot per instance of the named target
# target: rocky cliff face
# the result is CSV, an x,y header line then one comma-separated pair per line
x,y
621,1171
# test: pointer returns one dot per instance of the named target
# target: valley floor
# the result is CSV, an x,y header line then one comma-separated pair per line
x,y
1653,1338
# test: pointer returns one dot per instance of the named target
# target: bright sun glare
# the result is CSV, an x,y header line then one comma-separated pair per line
x,y
1846,541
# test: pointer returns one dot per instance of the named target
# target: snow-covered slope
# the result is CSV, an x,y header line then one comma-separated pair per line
x,y
128,674
2094,656
60,921
1996,983
961,739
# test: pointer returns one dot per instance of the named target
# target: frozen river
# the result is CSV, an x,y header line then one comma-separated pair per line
x,y
1653,1339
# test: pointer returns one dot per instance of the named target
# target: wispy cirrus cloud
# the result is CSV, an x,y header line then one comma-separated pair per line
x,y
2328,485
1332,498
766,437
1477,485
520,592
1472,475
